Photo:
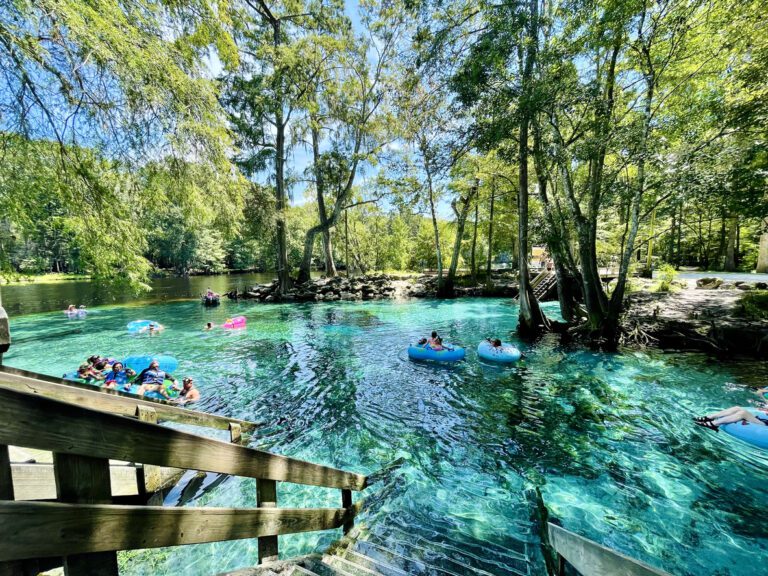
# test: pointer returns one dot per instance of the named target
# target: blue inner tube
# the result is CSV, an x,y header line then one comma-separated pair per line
x,y
138,363
456,353
139,325
132,389
506,353
755,434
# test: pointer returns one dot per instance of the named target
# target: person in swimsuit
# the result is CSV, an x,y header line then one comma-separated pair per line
x,y
438,344
495,342
118,376
88,373
730,415
151,380
432,341
188,392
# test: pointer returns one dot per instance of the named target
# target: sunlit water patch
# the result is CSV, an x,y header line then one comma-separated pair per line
x,y
607,438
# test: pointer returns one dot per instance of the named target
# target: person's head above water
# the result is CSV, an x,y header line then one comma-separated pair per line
x,y
496,342
434,334
154,364
209,325
117,367
187,382
93,359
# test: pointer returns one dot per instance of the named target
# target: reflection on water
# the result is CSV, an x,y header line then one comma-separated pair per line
x,y
41,297
607,437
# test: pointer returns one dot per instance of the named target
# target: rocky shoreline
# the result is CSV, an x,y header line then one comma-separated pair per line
x,y
371,287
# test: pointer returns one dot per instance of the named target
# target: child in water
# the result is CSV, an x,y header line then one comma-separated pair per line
x,y
208,326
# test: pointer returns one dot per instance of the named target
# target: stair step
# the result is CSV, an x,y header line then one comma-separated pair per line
x,y
317,566
354,568
381,566
480,548
409,565
461,558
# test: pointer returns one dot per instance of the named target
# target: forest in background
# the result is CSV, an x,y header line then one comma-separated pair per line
x,y
143,135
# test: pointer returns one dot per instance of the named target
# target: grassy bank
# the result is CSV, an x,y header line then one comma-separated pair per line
x,y
51,278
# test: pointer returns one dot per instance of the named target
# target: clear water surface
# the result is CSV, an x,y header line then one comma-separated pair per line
x,y
607,437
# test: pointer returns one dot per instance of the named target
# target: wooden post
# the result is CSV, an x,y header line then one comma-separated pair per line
x,y
235,433
151,478
6,493
85,480
346,503
266,497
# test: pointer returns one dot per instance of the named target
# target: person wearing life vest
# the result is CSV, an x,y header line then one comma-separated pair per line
x,y
152,379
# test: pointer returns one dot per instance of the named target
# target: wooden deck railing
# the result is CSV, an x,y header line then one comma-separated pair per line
x,y
85,529
592,559
112,401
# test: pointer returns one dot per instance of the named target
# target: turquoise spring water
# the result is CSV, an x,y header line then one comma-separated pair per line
x,y
607,437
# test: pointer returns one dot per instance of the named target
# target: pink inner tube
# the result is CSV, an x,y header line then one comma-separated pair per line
x,y
236,322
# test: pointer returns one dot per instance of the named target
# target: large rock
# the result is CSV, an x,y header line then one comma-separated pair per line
x,y
745,286
709,283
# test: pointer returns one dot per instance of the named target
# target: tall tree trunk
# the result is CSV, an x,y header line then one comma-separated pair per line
x,y
473,262
721,241
730,250
679,251
490,234
611,327
346,240
557,242
531,320
283,269
461,219
433,212
762,252
330,265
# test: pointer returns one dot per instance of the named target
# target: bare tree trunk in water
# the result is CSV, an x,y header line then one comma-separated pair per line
x,y
730,250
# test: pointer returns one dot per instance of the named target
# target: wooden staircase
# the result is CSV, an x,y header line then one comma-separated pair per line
x,y
363,553
543,284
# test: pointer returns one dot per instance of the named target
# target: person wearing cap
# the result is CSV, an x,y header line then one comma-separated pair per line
x,y
151,379
188,391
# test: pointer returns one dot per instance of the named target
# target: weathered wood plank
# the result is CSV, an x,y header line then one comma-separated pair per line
x,y
36,422
107,400
36,481
266,497
593,559
82,479
346,503
32,529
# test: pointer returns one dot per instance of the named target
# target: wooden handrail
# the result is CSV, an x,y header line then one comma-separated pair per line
x,y
112,401
45,529
30,421
592,559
